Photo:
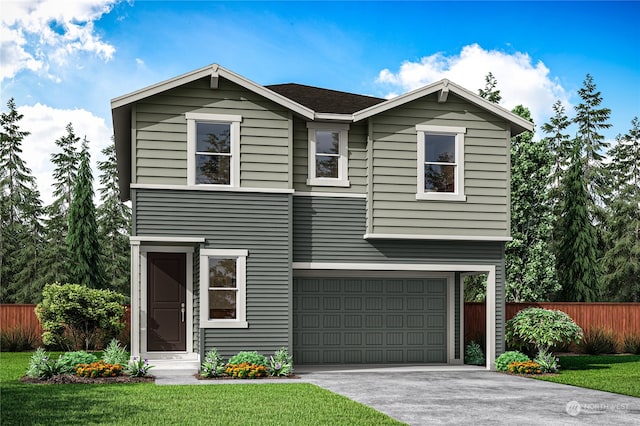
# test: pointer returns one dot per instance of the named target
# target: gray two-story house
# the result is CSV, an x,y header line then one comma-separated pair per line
x,y
337,225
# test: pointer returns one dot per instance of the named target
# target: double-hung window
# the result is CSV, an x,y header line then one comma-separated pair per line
x,y
440,163
213,149
328,165
223,288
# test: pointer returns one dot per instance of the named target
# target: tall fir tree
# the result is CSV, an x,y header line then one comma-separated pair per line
x,y
56,258
559,142
82,238
114,223
577,261
20,211
591,118
621,262
529,260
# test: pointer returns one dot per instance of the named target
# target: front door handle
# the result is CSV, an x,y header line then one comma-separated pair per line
x,y
182,310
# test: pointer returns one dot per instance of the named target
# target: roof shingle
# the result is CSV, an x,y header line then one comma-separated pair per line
x,y
325,100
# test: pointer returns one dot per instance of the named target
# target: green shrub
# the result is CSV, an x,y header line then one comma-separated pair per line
x,y
115,354
473,354
503,361
535,329
599,341
281,363
547,361
18,339
631,343
85,314
249,358
213,365
68,361
41,366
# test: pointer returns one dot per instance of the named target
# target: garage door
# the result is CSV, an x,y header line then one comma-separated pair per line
x,y
370,320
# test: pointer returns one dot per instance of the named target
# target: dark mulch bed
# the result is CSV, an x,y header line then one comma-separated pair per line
x,y
199,377
64,379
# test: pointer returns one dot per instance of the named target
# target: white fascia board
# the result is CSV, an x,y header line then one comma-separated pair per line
x,y
519,123
393,267
333,117
263,91
397,101
161,87
376,236
163,239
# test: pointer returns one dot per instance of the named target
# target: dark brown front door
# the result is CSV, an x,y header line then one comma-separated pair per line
x,y
166,301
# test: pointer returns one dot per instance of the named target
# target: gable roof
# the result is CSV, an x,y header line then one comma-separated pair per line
x,y
325,100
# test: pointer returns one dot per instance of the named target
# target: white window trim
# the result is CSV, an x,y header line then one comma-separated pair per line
x,y
241,282
459,133
343,163
234,122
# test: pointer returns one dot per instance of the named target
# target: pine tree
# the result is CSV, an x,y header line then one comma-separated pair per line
x,y
621,262
82,239
577,262
20,211
530,263
56,257
490,92
558,142
114,222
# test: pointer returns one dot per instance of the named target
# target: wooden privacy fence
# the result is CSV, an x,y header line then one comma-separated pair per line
x,y
24,316
622,318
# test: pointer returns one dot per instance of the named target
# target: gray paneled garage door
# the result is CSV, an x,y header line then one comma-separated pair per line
x,y
370,320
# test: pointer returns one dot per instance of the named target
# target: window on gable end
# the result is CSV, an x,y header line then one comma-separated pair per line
x,y
213,149
328,162
440,163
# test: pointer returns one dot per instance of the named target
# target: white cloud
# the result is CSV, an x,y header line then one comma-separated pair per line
x,y
48,124
520,81
37,34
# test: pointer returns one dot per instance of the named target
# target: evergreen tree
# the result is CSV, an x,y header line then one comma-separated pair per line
x,y
56,257
621,262
82,239
558,142
577,262
114,222
590,119
529,260
20,211
490,92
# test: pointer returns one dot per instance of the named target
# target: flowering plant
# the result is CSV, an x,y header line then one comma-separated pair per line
x,y
246,370
547,361
139,367
213,364
527,367
41,366
98,369
281,363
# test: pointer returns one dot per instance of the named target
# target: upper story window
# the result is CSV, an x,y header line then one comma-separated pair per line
x,y
440,163
223,288
213,149
328,164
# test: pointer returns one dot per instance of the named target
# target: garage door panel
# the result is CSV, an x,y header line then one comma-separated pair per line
x,y
362,320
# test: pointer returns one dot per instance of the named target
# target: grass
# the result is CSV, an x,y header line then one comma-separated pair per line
x,y
147,403
611,373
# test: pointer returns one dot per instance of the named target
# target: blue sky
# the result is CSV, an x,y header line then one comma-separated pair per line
x,y
65,64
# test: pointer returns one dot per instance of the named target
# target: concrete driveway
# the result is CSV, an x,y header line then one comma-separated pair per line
x,y
467,395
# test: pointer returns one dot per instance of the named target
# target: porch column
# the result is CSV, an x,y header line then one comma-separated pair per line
x,y
135,298
491,319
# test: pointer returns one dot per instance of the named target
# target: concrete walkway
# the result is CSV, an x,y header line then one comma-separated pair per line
x,y
423,395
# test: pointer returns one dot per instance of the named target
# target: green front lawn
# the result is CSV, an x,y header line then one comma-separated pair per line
x,y
261,404
611,373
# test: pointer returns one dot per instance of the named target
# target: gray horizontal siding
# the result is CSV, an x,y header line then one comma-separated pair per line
x,y
256,222
394,208
161,134
328,229
357,159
